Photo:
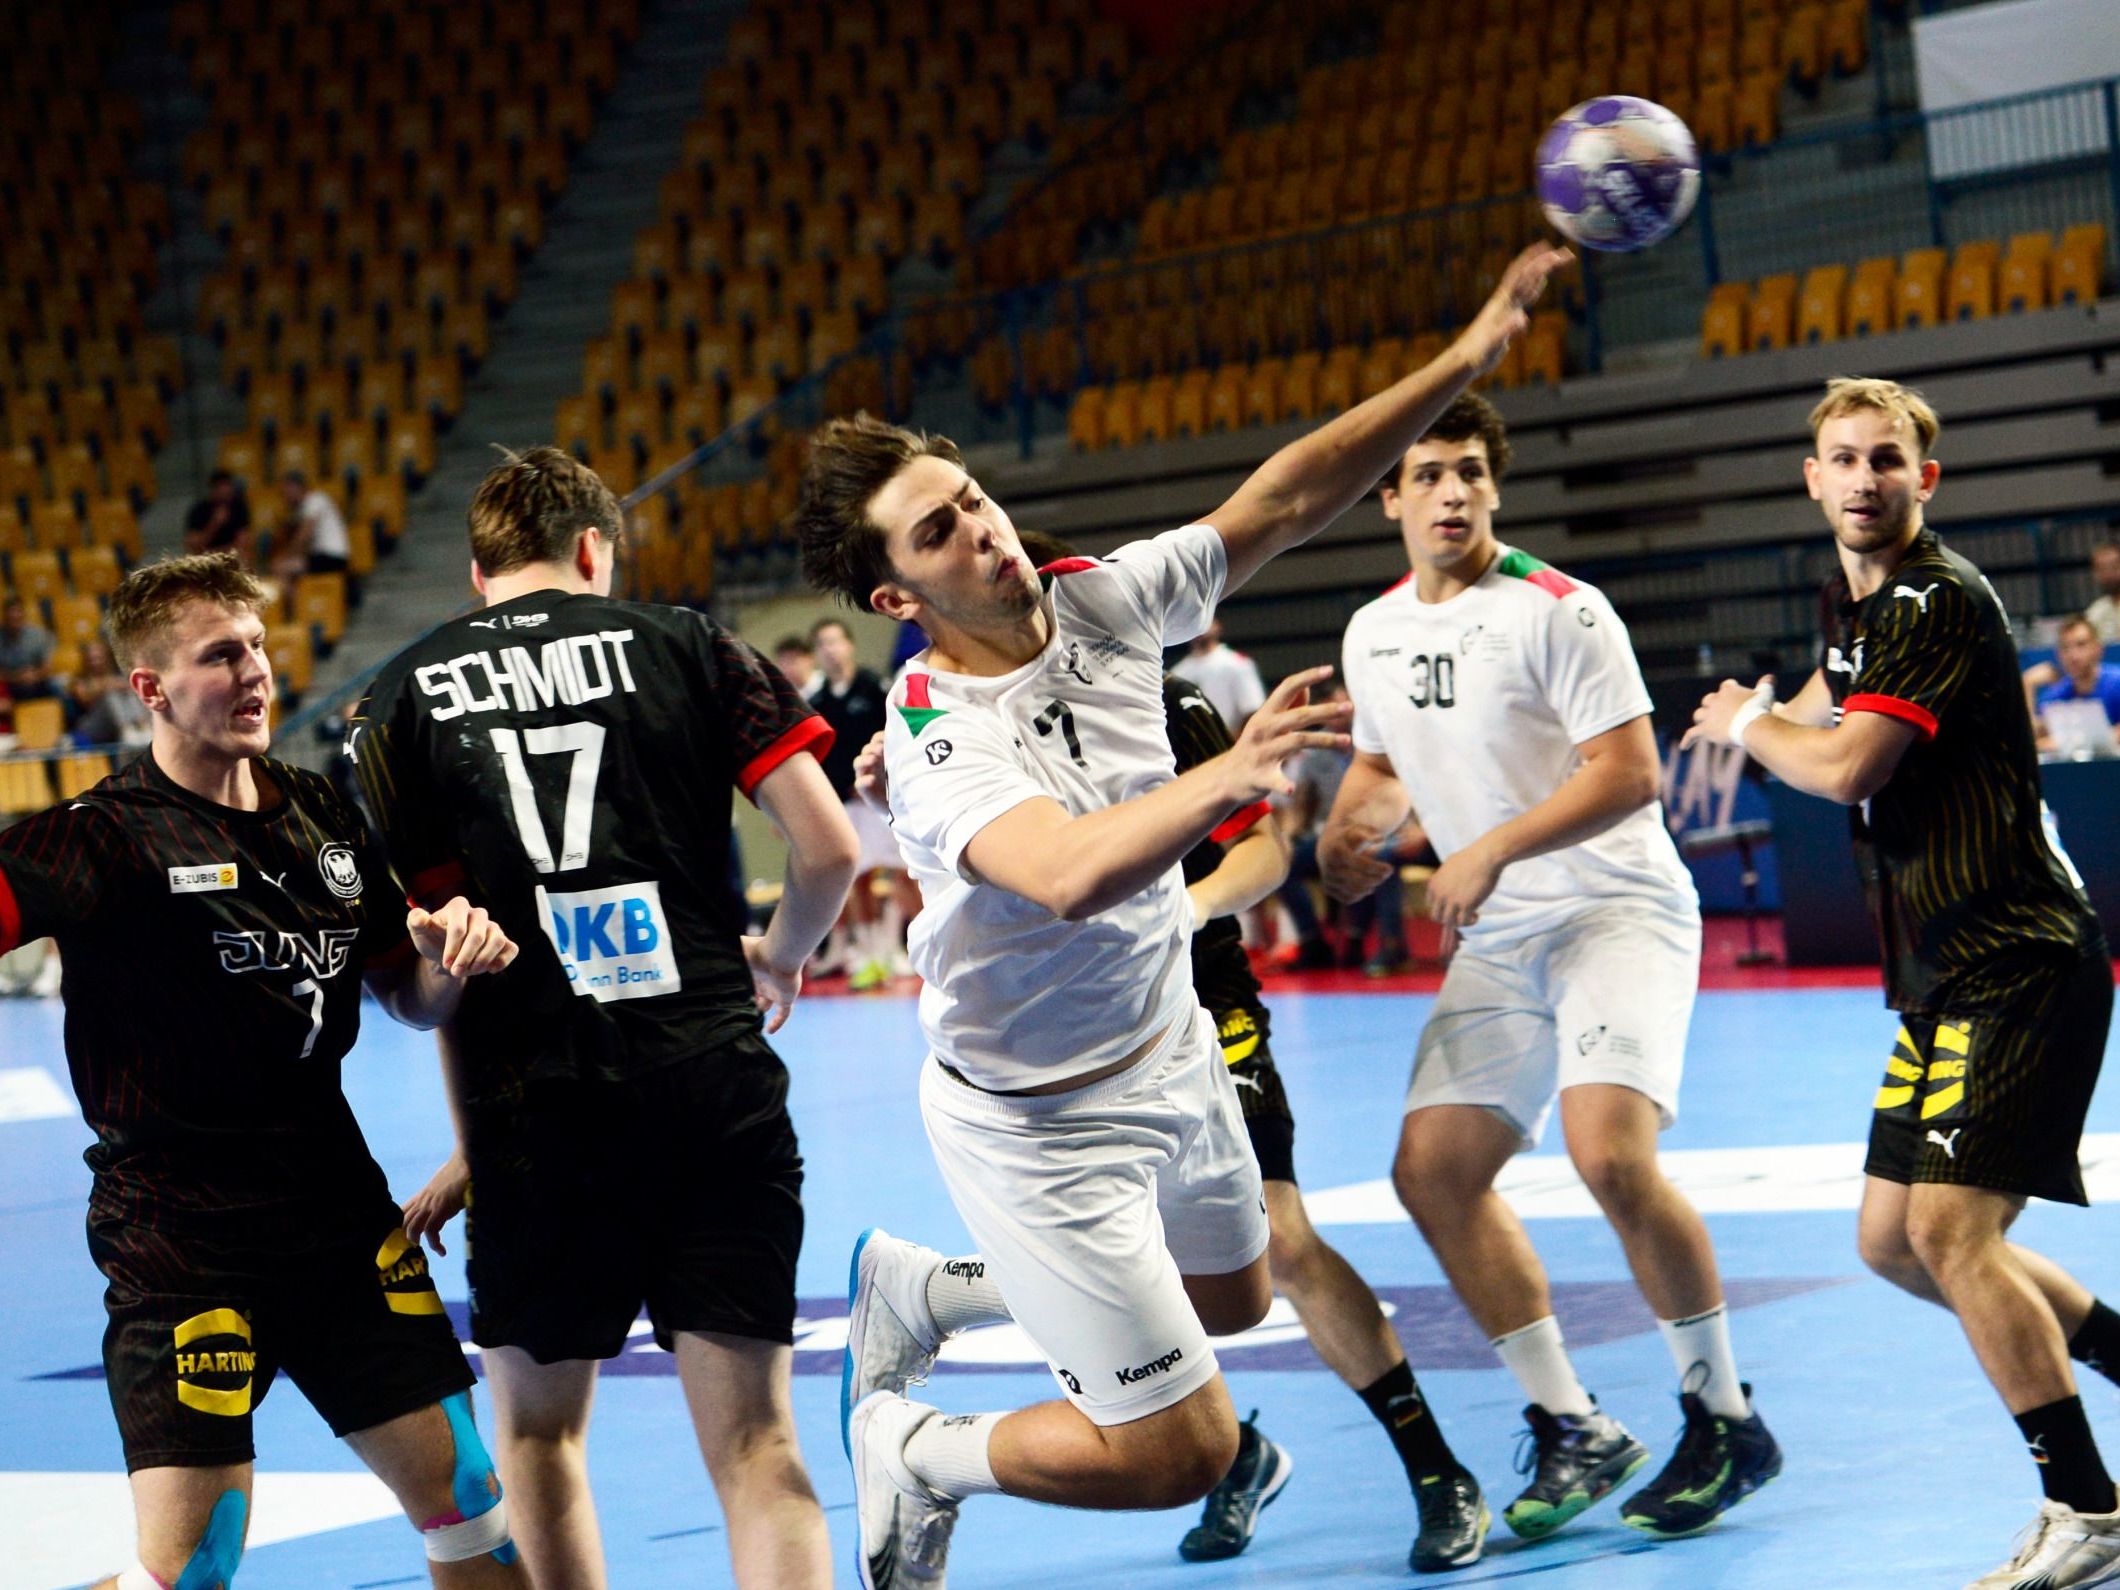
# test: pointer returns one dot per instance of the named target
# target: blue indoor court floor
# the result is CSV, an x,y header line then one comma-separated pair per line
x,y
1903,1470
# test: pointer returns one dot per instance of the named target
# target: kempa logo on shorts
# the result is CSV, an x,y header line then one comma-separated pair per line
x,y
206,879
1140,1372
966,1270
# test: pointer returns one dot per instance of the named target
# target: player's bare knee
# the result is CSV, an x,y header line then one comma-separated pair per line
x,y
1292,1256
1944,1241
1626,1186
1192,1465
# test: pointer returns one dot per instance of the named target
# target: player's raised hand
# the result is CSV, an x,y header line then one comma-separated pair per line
x,y
460,938
1716,717
774,989
1289,722
437,1203
1507,311
871,782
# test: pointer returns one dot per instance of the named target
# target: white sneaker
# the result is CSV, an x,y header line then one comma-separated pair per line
x,y
902,1528
892,1339
2061,1549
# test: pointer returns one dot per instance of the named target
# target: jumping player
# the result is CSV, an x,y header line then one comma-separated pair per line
x,y
1498,702
1992,956
570,759
1079,1110
218,913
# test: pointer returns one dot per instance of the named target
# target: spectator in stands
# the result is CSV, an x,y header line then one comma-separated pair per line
x,y
851,699
792,655
315,541
1316,775
1225,676
2084,676
2104,613
220,520
25,653
110,712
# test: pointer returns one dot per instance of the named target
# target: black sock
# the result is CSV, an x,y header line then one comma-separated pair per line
x,y
1404,1413
2069,1466
2096,1344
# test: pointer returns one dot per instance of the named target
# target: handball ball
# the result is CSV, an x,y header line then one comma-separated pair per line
x,y
1618,173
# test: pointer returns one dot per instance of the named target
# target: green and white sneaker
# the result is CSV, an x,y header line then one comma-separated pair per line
x,y
1574,1463
1719,1462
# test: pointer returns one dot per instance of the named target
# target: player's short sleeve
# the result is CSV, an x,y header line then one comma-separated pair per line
x,y
1587,667
56,870
768,719
1916,652
952,779
1175,579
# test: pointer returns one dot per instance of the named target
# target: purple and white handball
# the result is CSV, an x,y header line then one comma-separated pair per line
x,y
1618,173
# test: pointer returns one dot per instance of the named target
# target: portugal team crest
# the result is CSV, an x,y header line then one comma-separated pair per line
x,y
341,872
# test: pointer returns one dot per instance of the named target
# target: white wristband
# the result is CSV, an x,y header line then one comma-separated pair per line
x,y
1751,712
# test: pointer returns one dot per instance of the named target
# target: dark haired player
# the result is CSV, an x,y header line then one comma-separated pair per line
x,y
1917,722
218,914
569,759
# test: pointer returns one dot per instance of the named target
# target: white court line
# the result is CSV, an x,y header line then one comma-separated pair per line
x,y
1718,1181
31,1093
67,1528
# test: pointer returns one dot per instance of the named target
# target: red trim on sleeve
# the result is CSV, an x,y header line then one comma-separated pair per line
x,y
436,885
1893,707
10,917
1551,581
916,693
812,734
1239,821
1068,565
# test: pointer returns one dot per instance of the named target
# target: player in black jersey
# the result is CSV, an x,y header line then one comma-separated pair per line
x,y
218,913
569,759
1992,956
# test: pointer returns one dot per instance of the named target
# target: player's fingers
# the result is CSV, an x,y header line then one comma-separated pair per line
x,y
1287,692
1691,737
459,925
1446,945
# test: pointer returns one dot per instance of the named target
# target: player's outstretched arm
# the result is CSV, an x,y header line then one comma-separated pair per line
x,y
1371,805
1847,764
1313,480
1078,866
1253,865
822,856
457,942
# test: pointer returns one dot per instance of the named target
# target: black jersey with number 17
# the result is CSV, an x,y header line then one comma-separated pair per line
x,y
568,760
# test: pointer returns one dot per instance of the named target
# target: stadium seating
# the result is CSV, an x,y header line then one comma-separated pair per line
x,y
1926,287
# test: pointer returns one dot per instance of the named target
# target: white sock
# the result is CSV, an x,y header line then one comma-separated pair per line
x,y
1540,1363
947,1454
960,1296
1700,1347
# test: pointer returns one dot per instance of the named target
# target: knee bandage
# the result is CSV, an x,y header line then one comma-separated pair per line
x,y
213,1561
480,1522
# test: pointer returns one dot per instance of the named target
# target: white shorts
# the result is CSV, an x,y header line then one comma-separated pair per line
x,y
879,846
1088,1207
1606,997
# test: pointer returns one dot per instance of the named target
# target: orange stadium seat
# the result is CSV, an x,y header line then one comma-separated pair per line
x,y
1872,297
1154,409
36,576
1122,414
39,723
1969,290
2021,281
54,526
1768,317
2078,267
1820,306
94,570
319,603
112,523
1921,287
13,538
1722,324
1337,381
1847,35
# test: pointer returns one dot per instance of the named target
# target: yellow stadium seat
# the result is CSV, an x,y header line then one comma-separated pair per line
x,y
1872,297
2077,271
54,526
112,523
77,775
1769,315
1969,290
94,570
1154,416
1085,420
2021,281
25,786
1821,305
319,602
1920,296
1722,324
293,657
40,723
76,620
1122,414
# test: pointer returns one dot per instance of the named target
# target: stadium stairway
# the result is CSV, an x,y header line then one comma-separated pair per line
x,y
151,69
537,348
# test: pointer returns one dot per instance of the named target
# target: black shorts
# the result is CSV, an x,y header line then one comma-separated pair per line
x,y
1267,1117
197,1332
1998,1100
681,1189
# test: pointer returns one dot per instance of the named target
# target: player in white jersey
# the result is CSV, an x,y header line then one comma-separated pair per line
x,y
1076,1100
1499,701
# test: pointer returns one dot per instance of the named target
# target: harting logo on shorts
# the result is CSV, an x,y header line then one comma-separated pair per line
x,y
1157,1366
214,1362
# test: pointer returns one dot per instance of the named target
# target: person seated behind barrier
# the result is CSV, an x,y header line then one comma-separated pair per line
x,y
25,653
2104,612
1316,775
104,707
2078,679
314,539
220,520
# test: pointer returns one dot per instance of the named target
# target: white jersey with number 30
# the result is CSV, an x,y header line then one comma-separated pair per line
x,y
1480,702
1017,997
